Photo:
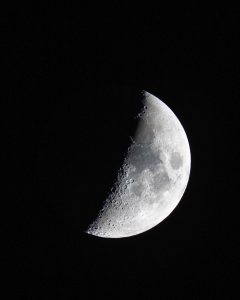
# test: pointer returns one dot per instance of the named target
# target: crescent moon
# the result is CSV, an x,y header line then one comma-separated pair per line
x,y
153,177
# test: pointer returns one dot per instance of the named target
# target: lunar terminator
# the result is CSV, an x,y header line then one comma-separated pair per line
x,y
153,177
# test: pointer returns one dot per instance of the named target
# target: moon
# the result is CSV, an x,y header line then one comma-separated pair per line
x,y
153,177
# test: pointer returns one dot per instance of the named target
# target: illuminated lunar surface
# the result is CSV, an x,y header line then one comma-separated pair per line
x,y
153,177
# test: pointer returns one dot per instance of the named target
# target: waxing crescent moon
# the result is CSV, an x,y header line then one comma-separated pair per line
x,y
153,177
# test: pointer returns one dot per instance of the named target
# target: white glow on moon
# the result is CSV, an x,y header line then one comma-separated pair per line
x,y
153,177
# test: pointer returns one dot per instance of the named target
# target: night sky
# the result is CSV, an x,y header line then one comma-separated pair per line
x,y
74,75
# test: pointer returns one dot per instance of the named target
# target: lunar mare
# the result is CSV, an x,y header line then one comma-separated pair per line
x,y
153,177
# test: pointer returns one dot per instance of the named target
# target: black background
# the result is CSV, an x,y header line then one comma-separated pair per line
x,y
73,81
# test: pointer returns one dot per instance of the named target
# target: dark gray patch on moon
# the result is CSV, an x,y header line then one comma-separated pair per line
x,y
147,135
142,157
176,160
161,182
137,189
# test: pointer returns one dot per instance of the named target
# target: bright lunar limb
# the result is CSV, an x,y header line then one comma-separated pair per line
x,y
153,177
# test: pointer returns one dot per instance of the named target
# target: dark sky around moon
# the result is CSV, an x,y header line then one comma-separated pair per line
x,y
73,80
